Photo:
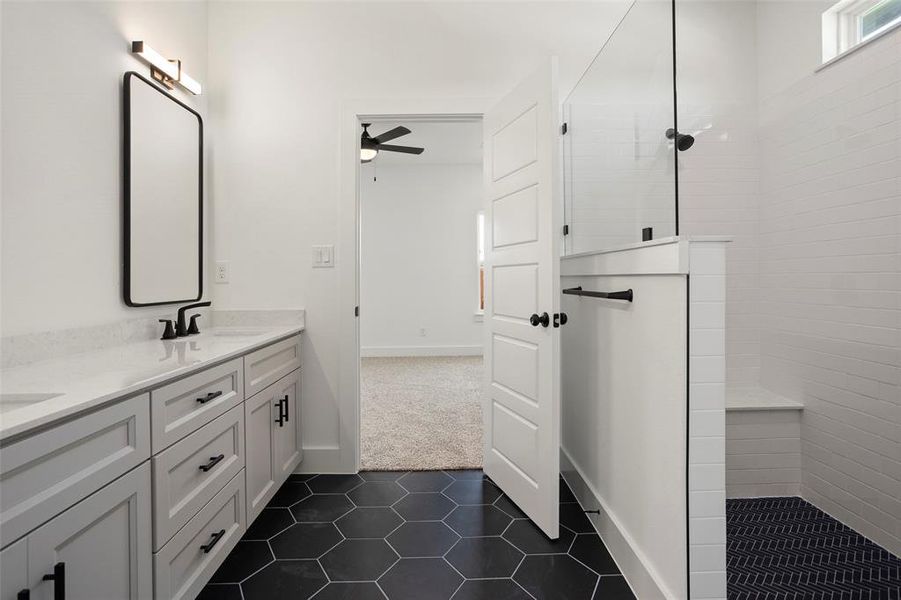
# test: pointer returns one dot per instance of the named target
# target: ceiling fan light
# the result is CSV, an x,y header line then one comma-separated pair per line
x,y
367,154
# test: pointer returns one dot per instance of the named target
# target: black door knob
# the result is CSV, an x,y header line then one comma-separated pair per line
x,y
544,320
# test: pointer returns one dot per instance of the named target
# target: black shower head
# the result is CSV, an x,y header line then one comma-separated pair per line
x,y
684,141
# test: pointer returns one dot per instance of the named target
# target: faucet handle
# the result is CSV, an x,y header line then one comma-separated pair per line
x,y
192,328
169,332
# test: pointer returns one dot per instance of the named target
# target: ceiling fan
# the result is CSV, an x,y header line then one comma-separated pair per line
x,y
371,146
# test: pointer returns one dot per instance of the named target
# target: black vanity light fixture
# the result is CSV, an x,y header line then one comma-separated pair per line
x,y
166,71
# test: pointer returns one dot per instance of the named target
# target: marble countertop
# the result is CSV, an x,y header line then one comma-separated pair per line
x,y
40,393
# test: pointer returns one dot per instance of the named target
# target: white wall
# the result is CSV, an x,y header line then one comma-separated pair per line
x,y
62,65
830,229
418,258
280,74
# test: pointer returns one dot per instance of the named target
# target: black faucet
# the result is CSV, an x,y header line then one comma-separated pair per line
x,y
181,328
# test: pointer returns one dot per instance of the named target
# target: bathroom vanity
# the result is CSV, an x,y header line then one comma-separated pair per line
x,y
133,471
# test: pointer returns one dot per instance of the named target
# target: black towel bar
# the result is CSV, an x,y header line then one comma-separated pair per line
x,y
578,291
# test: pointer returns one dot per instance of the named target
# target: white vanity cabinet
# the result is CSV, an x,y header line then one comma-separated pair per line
x,y
273,423
144,497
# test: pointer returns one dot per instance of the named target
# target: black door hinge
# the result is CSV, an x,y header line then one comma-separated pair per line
x,y
564,128
356,311
566,230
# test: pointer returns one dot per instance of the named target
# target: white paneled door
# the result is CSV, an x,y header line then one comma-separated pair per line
x,y
521,402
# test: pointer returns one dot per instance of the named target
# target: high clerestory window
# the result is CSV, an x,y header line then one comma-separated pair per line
x,y
850,23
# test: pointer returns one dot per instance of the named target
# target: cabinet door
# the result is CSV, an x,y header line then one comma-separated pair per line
x,y
14,571
102,544
286,452
259,414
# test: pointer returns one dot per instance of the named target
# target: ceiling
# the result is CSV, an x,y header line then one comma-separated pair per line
x,y
445,142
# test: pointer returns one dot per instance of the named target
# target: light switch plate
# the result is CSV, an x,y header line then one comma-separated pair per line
x,y
323,257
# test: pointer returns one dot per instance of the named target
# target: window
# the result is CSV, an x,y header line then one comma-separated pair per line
x,y
850,23
480,254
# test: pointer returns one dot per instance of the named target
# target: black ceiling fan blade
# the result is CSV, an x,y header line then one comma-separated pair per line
x,y
390,135
404,149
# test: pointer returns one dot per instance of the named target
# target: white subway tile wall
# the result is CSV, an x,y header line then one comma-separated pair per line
x,y
830,254
707,420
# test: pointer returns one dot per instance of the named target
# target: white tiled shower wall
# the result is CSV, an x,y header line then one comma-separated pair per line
x,y
830,285
803,168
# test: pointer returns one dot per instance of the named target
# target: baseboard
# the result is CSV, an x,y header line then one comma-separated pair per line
x,y
389,351
632,564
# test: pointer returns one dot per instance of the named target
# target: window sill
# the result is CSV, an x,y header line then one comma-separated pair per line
x,y
857,47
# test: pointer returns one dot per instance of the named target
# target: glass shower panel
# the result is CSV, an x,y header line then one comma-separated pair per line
x,y
619,165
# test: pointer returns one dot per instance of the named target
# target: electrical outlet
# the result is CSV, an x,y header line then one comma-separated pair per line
x,y
222,271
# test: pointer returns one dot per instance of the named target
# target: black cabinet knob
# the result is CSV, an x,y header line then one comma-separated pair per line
x,y
544,320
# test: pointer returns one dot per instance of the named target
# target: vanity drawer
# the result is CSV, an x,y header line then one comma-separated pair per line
x,y
182,567
267,365
179,408
46,473
189,473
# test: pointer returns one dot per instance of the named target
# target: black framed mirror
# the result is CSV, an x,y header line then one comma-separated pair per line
x,y
163,196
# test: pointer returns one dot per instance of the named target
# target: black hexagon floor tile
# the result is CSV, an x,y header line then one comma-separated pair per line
x,y
527,537
305,540
295,579
423,539
613,588
321,508
245,559
382,475
369,522
420,579
358,560
334,484
269,522
466,474
484,557
479,520
227,591
555,577
508,506
589,549
290,493
472,491
424,507
425,481
376,493
566,494
491,589
350,591
573,517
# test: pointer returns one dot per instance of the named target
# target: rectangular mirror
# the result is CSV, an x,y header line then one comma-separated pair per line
x,y
163,197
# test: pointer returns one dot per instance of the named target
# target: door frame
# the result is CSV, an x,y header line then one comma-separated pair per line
x,y
347,454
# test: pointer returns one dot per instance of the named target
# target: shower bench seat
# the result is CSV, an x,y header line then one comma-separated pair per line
x,y
763,443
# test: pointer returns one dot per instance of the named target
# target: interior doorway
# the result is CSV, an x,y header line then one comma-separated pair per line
x,y
421,294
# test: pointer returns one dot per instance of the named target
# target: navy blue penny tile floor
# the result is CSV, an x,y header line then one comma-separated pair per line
x,y
787,549
425,535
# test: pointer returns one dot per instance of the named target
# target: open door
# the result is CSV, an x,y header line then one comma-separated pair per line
x,y
521,400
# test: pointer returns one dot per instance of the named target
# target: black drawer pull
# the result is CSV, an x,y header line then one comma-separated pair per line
x,y
216,537
282,417
285,400
59,581
210,396
24,595
214,460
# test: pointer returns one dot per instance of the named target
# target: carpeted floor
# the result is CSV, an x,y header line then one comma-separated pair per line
x,y
421,413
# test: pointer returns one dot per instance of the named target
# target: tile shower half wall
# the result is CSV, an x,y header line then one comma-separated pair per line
x,y
643,412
